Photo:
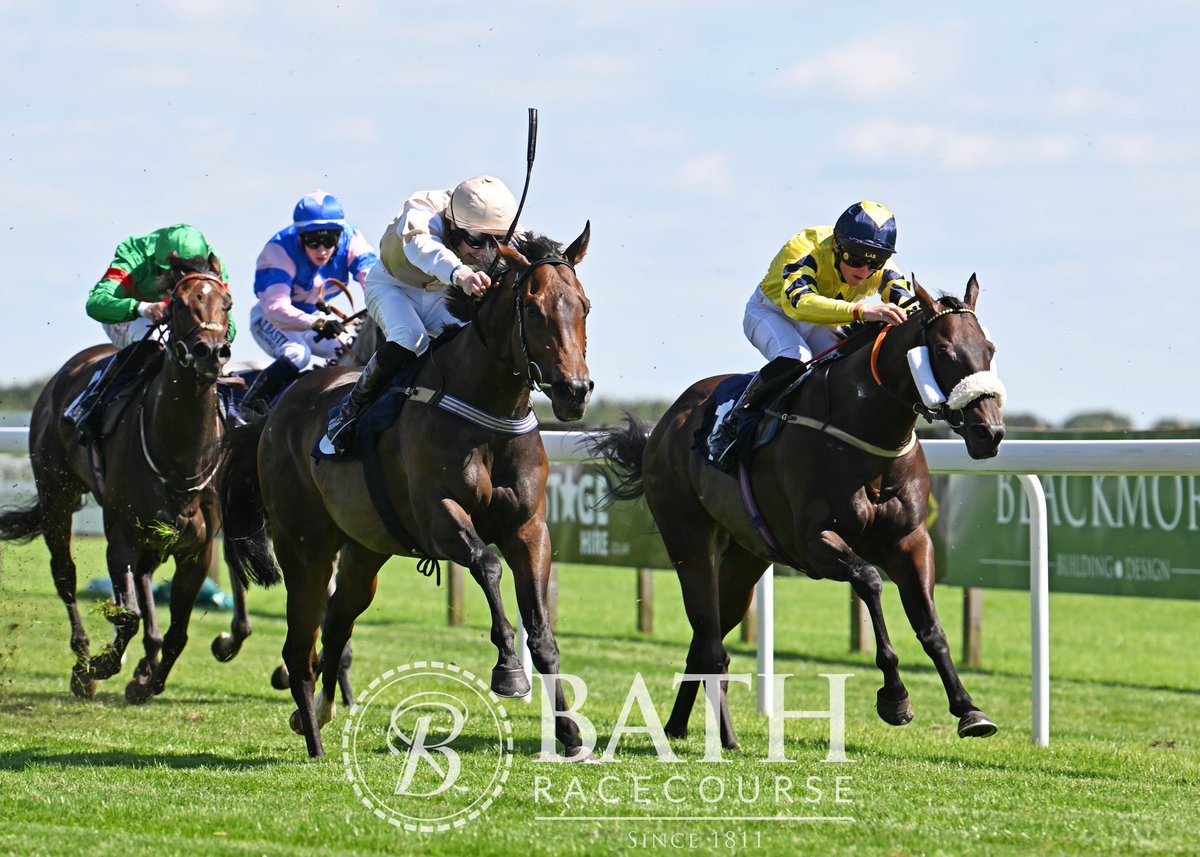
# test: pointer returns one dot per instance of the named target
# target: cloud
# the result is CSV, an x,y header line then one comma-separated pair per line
x,y
879,65
706,174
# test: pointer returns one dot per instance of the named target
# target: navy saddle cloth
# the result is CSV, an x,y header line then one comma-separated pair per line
x,y
379,415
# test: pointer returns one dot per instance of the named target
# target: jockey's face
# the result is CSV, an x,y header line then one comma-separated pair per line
x,y
854,277
320,246
476,249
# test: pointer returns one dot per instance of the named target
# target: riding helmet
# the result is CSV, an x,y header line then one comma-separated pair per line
x,y
482,204
867,229
187,241
317,212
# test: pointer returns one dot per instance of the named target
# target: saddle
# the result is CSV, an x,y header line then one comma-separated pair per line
x,y
118,379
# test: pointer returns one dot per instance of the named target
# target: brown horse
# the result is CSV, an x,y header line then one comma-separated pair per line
x,y
157,493
841,492
455,484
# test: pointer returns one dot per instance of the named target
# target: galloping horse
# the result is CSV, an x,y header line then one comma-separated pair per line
x,y
455,483
845,485
157,490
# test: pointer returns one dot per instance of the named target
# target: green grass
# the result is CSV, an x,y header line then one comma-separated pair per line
x,y
211,766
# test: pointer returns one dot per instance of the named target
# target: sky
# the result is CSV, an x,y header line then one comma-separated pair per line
x,y
1051,148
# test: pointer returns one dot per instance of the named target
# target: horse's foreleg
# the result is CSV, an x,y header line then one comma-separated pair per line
x,y
357,580
912,567
307,582
455,538
830,557
528,555
227,644
190,572
152,639
124,613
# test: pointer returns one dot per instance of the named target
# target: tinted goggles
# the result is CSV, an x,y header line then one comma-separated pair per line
x,y
857,260
324,238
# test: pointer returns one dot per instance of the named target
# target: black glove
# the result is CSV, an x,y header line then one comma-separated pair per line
x,y
328,328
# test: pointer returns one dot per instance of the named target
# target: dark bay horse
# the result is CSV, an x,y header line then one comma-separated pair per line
x,y
455,485
157,492
844,490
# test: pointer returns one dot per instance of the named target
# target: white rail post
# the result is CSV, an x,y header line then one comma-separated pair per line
x,y
1039,606
765,604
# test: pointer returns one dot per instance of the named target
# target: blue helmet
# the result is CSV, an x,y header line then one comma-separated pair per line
x,y
317,212
867,230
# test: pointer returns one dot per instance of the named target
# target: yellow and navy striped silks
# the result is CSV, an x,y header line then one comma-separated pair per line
x,y
804,280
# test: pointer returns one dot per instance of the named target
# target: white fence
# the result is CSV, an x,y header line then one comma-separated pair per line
x,y
1021,458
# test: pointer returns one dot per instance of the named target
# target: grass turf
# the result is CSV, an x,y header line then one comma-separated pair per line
x,y
211,766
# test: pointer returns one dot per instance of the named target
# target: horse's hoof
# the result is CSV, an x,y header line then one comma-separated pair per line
x,y
137,693
974,724
296,723
678,732
578,755
894,712
82,685
510,683
224,648
280,679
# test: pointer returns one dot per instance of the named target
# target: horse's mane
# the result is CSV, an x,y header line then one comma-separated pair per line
x,y
531,245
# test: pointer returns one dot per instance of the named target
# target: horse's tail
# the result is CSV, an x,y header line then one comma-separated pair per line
x,y
247,546
21,525
622,450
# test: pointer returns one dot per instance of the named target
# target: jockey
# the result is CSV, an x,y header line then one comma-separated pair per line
x,y
819,280
129,301
439,239
291,280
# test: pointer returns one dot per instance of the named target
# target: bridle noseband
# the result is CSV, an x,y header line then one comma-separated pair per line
x,y
951,411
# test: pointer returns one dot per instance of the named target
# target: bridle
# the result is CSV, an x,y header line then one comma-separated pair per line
x,y
180,352
952,410
534,377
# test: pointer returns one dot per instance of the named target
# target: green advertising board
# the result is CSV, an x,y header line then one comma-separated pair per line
x,y
1111,535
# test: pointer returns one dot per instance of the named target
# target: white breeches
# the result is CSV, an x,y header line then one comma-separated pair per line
x,y
775,335
127,332
298,347
407,315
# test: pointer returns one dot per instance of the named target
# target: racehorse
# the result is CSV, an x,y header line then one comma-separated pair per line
x,y
455,482
156,491
843,488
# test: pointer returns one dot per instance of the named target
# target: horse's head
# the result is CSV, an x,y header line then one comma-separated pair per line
x,y
960,356
550,334
199,317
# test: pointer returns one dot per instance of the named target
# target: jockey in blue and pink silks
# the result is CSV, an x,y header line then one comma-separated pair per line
x,y
291,278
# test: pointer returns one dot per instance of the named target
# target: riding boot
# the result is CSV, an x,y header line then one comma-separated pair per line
x,y
78,411
769,380
270,383
375,378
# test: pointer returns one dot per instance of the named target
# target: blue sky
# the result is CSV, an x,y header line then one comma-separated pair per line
x,y
1050,147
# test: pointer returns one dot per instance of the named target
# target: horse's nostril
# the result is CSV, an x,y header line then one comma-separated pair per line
x,y
201,350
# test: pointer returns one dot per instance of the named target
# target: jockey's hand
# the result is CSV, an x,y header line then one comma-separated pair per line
x,y
474,283
328,328
889,313
156,312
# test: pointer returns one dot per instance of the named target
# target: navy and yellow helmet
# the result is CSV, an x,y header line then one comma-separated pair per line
x,y
866,230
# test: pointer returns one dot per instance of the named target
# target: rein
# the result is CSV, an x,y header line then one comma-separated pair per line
x,y
186,485
534,378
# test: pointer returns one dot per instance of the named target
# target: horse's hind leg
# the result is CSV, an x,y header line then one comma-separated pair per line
x,y
357,579
912,568
227,644
831,558
56,530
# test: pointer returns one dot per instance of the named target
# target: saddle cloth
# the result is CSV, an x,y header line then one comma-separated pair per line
x,y
378,416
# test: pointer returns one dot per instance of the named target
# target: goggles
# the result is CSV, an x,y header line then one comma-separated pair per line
x,y
324,238
857,260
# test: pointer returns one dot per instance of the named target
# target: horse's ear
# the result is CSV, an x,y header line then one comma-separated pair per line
x,y
927,302
515,257
579,246
214,263
972,292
